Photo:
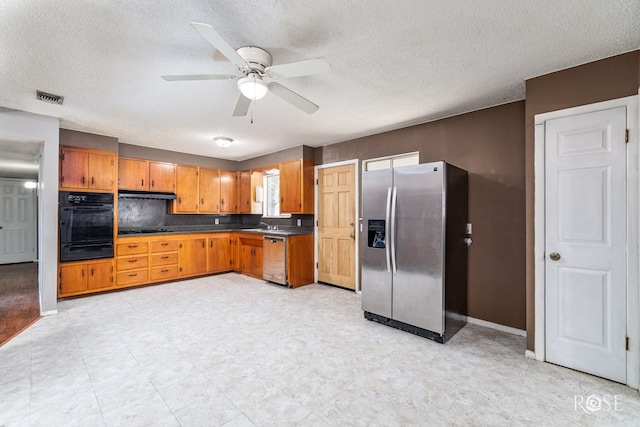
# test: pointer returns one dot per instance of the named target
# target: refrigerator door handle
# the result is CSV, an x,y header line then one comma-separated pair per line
x,y
387,230
394,203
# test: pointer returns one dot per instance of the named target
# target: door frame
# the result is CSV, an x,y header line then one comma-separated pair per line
x,y
356,207
34,213
633,223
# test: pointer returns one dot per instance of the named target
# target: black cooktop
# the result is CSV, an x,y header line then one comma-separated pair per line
x,y
145,231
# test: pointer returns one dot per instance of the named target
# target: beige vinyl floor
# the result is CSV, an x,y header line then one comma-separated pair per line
x,y
235,351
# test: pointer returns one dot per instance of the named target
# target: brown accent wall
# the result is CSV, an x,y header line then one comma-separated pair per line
x,y
299,152
609,78
489,144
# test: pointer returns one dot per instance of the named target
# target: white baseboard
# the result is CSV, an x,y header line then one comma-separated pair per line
x,y
497,326
49,313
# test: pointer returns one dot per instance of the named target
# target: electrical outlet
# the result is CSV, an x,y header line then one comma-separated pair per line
x,y
216,221
468,228
299,222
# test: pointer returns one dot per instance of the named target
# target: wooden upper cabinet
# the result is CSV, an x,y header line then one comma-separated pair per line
x,y
144,175
296,187
102,171
209,187
87,169
228,192
162,177
187,196
133,174
244,200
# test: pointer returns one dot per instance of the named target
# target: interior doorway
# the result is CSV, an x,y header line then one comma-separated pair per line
x,y
19,287
586,302
336,225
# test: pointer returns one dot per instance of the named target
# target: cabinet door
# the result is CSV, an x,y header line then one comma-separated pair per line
x,y
100,275
133,174
186,189
218,254
257,262
102,171
162,177
74,168
192,256
235,253
209,181
72,278
290,187
228,192
244,200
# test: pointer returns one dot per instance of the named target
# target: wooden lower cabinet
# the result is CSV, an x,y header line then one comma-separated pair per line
x,y
142,260
132,262
235,252
163,259
85,277
251,254
300,260
219,253
192,256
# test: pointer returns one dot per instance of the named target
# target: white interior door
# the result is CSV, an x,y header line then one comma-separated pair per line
x,y
585,242
17,222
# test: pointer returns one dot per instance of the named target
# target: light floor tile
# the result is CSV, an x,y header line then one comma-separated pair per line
x,y
235,351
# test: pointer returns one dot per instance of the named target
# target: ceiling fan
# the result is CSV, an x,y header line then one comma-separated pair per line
x,y
255,63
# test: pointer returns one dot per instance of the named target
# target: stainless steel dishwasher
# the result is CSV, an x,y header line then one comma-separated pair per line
x,y
274,252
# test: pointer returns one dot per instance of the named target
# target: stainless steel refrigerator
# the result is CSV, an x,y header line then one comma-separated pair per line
x,y
413,249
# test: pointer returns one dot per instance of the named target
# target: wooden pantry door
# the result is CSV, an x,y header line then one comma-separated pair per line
x,y
337,226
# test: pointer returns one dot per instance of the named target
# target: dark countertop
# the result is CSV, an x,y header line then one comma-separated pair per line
x,y
169,230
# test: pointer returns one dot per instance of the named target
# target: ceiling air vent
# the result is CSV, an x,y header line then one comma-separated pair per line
x,y
49,97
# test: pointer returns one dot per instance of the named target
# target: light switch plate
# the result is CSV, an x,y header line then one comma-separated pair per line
x,y
469,228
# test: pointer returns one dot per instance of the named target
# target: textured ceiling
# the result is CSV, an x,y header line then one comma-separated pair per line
x,y
394,63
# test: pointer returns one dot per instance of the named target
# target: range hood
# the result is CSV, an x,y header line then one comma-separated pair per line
x,y
129,194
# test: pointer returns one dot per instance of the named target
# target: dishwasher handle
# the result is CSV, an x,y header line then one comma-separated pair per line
x,y
274,239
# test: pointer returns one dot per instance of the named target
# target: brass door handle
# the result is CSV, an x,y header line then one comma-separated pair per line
x,y
555,256
353,236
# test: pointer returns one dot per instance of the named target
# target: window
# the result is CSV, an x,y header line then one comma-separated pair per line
x,y
271,202
272,194
391,161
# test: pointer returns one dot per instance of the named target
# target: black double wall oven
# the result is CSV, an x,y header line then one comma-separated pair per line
x,y
86,226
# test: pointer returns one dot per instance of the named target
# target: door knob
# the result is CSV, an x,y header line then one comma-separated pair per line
x,y
353,236
555,256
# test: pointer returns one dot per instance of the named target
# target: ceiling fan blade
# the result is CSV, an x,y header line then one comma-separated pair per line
x,y
307,67
293,98
185,77
242,106
220,44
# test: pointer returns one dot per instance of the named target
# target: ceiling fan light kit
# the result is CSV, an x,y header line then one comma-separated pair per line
x,y
253,87
255,64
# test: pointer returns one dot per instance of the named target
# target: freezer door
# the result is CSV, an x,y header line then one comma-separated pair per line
x,y
376,274
418,285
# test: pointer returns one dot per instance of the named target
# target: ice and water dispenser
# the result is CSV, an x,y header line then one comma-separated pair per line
x,y
376,236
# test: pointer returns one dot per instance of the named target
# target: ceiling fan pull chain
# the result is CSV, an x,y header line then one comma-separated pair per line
x,y
253,106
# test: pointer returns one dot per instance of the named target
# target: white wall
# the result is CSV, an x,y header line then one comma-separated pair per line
x,y
18,125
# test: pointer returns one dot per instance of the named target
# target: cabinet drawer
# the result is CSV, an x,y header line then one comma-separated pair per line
x,y
166,258
132,262
164,273
132,248
131,277
164,246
